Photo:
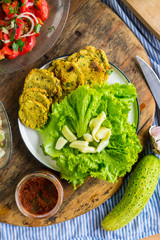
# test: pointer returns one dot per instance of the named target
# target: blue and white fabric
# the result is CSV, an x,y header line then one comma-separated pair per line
x,y
88,226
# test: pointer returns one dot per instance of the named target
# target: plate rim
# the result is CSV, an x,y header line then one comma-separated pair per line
x,y
10,135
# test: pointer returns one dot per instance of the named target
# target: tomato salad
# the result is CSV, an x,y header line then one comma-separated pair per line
x,y
20,24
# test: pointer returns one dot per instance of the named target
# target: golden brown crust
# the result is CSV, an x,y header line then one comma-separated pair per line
x,y
43,79
33,114
93,63
37,94
70,75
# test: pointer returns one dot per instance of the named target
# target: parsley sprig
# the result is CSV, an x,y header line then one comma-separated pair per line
x,y
37,28
18,45
50,28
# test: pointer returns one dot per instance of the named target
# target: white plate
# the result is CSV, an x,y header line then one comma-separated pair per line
x,y
33,139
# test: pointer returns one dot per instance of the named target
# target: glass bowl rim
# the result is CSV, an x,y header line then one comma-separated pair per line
x,y
55,36
10,135
56,182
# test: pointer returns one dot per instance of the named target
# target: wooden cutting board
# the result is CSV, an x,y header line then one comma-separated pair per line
x,y
148,12
90,22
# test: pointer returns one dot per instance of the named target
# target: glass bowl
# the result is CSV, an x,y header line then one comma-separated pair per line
x,y
8,137
37,176
49,34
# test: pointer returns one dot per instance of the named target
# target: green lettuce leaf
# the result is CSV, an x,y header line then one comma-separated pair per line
x,y
76,110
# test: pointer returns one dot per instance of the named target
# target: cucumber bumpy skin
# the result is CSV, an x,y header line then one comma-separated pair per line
x,y
140,188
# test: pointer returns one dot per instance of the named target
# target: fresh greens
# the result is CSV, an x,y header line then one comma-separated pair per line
x,y
76,110
37,28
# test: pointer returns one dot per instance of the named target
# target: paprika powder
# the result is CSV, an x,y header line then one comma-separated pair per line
x,y
39,195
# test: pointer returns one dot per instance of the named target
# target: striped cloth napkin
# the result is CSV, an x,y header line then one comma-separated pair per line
x,y
88,226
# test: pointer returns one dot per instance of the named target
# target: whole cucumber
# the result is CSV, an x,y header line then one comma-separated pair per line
x,y
140,188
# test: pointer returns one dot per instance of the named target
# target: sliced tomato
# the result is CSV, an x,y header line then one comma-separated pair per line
x,y
27,6
19,29
23,7
14,55
42,9
3,23
10,8
2,15
2,56
6,50
40,21
29,44
8,53
1,35
6,37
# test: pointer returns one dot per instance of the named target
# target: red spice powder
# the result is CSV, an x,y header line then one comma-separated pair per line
x,y
38,195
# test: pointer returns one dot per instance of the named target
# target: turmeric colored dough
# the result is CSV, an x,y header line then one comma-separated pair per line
x,y
33,114
43,79
93,63
37,94
70,75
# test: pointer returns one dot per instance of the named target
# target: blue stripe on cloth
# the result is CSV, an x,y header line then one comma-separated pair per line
x,y
88,226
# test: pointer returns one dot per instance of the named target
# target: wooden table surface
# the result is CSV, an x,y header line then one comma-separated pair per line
x,y
90,22
148,13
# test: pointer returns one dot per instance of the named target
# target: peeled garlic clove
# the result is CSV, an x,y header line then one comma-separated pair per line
x,y
88,137
94,132
68,134
60,143
79,144
87,150
103,132
103,144
154,133
95,122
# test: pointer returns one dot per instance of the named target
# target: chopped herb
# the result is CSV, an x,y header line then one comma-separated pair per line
x,y
68,85
50,29
20,44
102,58
37,28
11,10
12,37
15,46
5,145
109,71
15,9
89,82
7,1
1,69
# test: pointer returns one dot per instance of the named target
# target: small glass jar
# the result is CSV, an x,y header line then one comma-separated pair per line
x,y
40,174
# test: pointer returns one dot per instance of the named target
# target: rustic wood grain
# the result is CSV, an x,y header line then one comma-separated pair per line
x,y
154,237
90,23
148,12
